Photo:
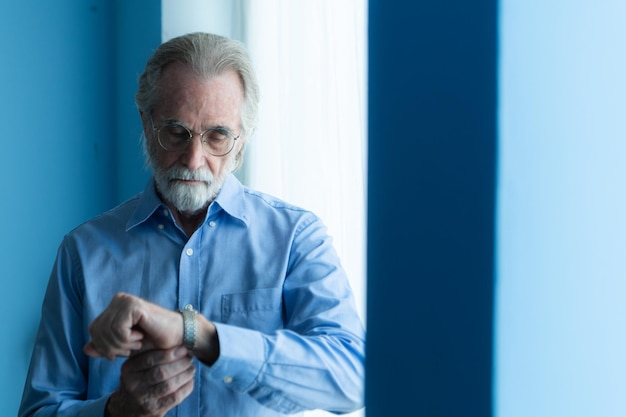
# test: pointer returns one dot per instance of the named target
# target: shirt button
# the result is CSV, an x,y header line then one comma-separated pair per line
x,y
189,252
212,223
228,380
166,212
161,227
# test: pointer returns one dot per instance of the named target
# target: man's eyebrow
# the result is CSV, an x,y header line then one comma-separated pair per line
x,y
218,128
173,122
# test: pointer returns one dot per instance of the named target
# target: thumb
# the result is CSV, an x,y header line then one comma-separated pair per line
x,y
90,350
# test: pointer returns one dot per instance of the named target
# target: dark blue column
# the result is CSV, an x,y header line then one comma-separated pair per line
x,y
431,198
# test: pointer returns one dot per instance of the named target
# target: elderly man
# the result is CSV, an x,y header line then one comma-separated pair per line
x,y
198,297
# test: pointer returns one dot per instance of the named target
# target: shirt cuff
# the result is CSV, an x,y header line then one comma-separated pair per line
x,y
242,357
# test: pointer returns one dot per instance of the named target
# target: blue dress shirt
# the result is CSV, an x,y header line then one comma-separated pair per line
x,y
263,271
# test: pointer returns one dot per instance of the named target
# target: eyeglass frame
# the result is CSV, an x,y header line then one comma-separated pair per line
x,y
191,135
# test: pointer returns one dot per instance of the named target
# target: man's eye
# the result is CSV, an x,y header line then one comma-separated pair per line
x,y
178,132
215,136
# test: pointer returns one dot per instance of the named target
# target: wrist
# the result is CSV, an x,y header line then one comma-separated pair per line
x,y
207,344
110,409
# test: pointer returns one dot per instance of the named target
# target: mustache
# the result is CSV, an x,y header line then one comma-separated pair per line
x,y
182,173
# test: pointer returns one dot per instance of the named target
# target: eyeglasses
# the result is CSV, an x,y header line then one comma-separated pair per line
x,y
175,137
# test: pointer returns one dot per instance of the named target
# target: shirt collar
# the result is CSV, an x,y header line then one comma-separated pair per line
x,y
231,199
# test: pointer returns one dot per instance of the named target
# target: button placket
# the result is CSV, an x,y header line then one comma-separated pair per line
x,y
189,274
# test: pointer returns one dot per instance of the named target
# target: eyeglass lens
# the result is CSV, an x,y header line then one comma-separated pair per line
x,y
175,137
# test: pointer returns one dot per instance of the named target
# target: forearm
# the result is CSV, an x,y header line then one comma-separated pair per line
x,y
290,372
67,408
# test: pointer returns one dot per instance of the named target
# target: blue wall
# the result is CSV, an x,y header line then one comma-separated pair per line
x,y
67,82
137,34
432,142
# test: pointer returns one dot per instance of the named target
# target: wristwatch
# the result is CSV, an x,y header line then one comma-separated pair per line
x,y
190,326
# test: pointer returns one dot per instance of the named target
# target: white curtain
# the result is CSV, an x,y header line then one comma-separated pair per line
x,y
310,145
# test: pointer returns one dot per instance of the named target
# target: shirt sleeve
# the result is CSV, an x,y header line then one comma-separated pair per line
x,y
56,383
317,360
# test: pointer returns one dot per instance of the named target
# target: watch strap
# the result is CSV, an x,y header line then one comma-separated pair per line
x,y
190,327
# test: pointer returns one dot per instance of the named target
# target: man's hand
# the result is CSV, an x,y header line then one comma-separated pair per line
x,y
152,383
131,324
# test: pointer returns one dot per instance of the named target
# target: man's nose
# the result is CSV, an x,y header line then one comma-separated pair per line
x,y
195,155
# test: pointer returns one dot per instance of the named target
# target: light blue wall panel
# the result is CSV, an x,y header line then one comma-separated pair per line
x,y
55,159
58,148
561,274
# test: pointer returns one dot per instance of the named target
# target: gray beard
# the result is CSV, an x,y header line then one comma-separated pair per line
x,y
188,197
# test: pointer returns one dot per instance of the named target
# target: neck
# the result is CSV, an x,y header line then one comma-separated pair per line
x,y
189,221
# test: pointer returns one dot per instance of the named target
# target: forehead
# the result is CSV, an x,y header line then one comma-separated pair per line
x,y
185,96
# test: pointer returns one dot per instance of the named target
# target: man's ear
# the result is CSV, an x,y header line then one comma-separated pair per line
x,y
145,122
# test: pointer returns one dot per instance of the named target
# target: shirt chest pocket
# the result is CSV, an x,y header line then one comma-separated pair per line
x,y
258,309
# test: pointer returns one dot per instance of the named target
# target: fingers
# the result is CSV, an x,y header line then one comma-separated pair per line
x,y
144,361
90,350
113,333
129,324
111,349
153,382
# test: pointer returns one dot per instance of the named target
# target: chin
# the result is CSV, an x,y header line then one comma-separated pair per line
x,y
190,198
188,191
